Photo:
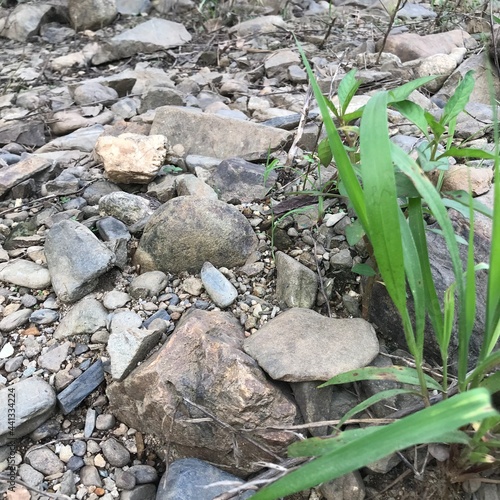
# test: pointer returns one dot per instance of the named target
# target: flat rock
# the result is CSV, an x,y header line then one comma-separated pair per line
x,y
94,93
44,460
83,139
190,185
296,284
35,401
207,134
132,7
150,36
24,21
191,479
15,320
15,174
128,347
71,120
53,358
84,318
131,158
76,259
258,26
203,362
238,179
300,345
25,273
220,289
187,231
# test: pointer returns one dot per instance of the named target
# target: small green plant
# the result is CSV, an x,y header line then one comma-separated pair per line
x,y
389,192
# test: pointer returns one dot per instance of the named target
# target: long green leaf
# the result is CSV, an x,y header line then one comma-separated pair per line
x,y
401,374
402,92
457,202
347,88
486,365
344,166
467,153
414,113
457,102
429,425
379,187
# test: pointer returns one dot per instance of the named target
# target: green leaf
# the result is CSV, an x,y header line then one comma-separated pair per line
x,y
436,127
414,113
354,232
458,202
404,186
467,153
324,153
400,374
390,393
492,383
489,363
457,102
347,88
432,424
402,92
458,238
363,270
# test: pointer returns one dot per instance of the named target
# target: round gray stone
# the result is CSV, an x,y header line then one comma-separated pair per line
x,y
116,454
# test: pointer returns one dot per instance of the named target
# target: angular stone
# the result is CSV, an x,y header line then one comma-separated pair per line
x,y
94,93
237,179
300,345
127,348
187,231
279,62
140,492
52,359
84,318
150,36
25,20
220,289
296,284
348,487
132,7
190,185
207,134
91,14
191,478
203,362
258,26
131,158
76,259
25,273
131,209
34,401
457,178
15,174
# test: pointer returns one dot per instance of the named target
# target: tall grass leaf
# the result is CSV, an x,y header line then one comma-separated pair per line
x,y
467,153
344,166
402,92
417,227
456,201
486,365
414,113
429,425
400,374
347,88
492,383
380,396
379,188
436,127
457,102
324,153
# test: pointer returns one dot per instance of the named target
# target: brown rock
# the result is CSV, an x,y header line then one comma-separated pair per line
x,y
457,178
69,121
28,133
131,158
15,174
203,363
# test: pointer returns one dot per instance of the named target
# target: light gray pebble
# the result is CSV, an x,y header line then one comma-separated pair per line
x,y
221,291
93,447
44,316
28,300
90,419
115,299
15,320
100,337
148,284
31,347
144,473
11,365
125,480
141,492
30,475
123,320
116,454
51,360
79,448
105,422
44,460
89,476
75,463
68,486
51,302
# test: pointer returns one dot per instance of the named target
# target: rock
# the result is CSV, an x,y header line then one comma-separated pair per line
x,y
190,479
53,358
34,401
84,318
348,487
132,7
220,289
144,473
296,284
129,347
29,475
300,345
279,62
25,273
203,362
150,36
237,179
190,185
78,390
94,93
91,14
122,320
141,492
258,26
15,174
410,46
115,299
148,284
68,483
187,231
15,320
89,476
131,209
457,178
206,134
341,260
105,422
25,20
437,64
116,454
44,460
131,158
163,188
76,258
68,121
161,96
125,480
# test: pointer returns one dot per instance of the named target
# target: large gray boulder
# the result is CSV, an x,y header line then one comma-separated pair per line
x,y
187,231
203,372
91,14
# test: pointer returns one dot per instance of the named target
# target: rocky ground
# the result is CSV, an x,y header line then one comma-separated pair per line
x,y
170,298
